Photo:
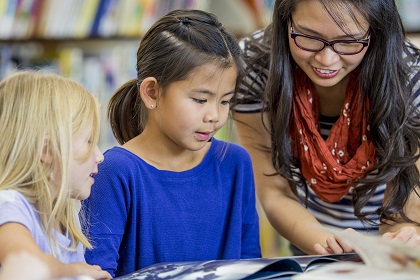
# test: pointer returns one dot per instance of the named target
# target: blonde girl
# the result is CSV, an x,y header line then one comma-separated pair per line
x,y
48,156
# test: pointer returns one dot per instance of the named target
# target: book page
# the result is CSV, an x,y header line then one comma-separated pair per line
x,y
382,259
352,271
383,254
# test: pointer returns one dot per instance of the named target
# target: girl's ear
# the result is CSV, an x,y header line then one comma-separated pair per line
x,y
149,90
46,155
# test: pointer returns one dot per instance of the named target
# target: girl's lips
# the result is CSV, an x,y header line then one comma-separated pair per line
x,y
326,74
203,136
92,175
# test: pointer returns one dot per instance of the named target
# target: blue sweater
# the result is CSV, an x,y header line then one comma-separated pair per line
x,y
140,215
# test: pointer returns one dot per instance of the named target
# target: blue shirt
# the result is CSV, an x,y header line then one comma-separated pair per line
x,y
140,215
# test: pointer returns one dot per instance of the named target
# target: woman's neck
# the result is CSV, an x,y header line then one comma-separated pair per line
x,y
331,99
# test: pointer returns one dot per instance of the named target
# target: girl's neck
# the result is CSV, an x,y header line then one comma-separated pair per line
x,y
58,227
165,155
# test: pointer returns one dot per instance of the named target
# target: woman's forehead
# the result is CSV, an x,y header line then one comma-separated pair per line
x,y
312,14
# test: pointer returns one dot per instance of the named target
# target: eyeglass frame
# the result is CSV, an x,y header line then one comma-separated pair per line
x,y
293,35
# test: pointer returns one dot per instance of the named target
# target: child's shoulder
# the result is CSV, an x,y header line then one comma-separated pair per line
x,y
120,162
231,149
11,196
13,205
118,154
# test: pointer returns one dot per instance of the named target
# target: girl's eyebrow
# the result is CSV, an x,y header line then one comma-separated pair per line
x,y
229,93
316,33
208,92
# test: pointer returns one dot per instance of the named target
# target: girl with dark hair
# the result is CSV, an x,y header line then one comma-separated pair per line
x,y
329,111
172,192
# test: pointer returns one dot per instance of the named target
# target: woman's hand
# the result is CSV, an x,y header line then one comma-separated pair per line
x,y
335,245
406,234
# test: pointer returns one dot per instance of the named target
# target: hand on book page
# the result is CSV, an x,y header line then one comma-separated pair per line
x,y
384,254
382,259
245,269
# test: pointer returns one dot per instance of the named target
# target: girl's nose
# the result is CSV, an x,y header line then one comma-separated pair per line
x,y
212,115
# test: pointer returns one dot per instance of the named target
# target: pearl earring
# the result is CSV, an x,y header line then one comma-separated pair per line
x,y
152,106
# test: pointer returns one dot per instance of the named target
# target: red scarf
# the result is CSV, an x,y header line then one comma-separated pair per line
x,y
330,166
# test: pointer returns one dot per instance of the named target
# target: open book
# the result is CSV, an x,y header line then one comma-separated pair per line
x,y
374,258
246,269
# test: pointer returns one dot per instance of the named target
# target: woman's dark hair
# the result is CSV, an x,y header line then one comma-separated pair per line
x,y
384,79
170,50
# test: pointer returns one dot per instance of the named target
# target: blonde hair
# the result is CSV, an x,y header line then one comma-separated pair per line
x,y
40,113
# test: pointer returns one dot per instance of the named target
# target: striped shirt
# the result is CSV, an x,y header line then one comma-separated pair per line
x,y
338,214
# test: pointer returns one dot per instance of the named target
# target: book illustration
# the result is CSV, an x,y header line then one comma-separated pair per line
x,y
246,269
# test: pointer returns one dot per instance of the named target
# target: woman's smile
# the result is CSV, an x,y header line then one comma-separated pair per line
x,y
324,73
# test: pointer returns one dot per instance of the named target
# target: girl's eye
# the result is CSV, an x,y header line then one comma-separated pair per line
x,y
199,101
225,102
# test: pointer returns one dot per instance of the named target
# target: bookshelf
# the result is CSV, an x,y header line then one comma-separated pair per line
x,y
95,41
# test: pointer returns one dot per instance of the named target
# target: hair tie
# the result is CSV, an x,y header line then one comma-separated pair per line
x,y
185,20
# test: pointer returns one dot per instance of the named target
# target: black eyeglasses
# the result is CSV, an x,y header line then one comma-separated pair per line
x,y
316,44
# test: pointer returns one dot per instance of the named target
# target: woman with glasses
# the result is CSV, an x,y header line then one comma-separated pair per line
x,y
329,111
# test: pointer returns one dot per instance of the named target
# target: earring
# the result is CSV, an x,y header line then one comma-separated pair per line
x,y
152,106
